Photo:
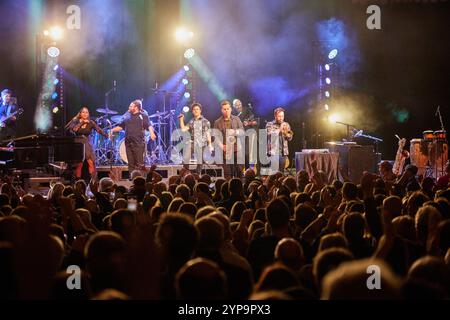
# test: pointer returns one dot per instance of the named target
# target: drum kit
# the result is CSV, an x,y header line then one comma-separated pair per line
x,y
111,151
430,153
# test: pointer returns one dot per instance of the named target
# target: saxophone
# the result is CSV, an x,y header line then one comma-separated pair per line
x,y
400,157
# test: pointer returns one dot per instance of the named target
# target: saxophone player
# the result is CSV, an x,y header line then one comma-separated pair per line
x,y
279,134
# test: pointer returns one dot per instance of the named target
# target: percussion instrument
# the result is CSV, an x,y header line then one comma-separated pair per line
x,y
106,111
440,135
106,148
157,114
428,135
431,155
122,150
117,119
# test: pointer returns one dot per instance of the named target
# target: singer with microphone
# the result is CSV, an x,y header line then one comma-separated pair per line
x,y
199,129
82,126
135,122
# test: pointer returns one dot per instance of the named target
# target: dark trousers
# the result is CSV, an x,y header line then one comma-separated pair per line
x,y
251,150
232,170
282,163
135,154
198,153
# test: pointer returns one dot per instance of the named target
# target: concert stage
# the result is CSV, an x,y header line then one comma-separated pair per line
x,y
35,181
121,174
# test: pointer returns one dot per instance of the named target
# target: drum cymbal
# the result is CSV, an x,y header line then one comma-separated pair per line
x,y
157,114
106,111
117,119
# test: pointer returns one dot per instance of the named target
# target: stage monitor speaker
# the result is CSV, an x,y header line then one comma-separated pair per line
x,y
213,172
163,172
355,159
360,160
125,175
102,174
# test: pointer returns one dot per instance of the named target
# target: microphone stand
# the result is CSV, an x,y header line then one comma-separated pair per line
x,y
438,113
377,140
348,128
162,132
110,147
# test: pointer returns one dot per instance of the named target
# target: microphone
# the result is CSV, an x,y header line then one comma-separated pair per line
x,y
114,84
437,111
250,106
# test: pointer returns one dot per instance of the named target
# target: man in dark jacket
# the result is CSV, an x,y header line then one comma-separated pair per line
x,y
232,131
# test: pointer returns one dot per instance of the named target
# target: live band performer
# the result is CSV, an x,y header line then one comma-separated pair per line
x,y
279,134
8,106
82,125
251,125
135,122
231,128
199,129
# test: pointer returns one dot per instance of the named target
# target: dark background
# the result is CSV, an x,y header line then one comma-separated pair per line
x,y
390,81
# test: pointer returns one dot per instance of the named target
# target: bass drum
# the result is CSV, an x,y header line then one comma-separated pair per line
x,y
123,152
122,149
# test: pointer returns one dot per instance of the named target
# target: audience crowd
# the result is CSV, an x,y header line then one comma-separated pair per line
x,y
194,237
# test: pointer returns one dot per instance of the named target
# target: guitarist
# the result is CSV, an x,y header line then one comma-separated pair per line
x,y
8,105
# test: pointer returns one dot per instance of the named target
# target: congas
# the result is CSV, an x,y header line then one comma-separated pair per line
x,y
418,155
428,135
438,158
440,135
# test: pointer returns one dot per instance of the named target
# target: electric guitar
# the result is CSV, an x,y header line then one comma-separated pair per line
x,y
14,114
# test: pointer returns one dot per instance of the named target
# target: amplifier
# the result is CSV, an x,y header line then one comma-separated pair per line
x,y
355,159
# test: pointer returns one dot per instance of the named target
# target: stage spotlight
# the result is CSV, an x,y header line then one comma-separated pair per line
x,y
55,110
186,68
328,80
53,52
185,81
327,107
333,53
183,35
55,33
334,118
55,82
327,94
327,67
185,109
55,95
189,53
187,95
55,68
